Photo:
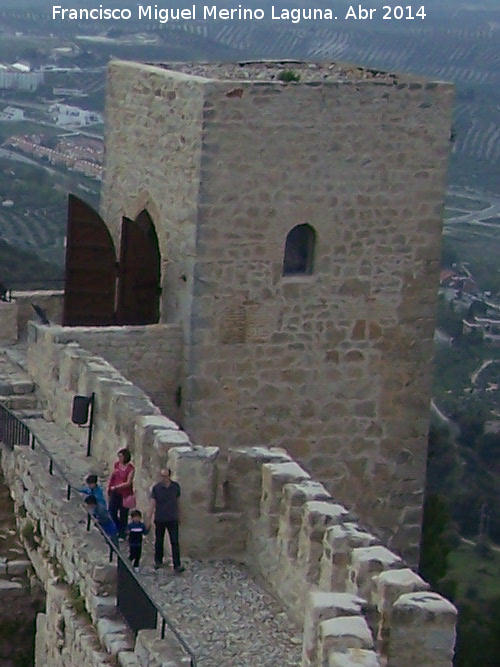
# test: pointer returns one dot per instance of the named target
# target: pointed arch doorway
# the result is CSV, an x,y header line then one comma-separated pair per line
x,y
138,299
99,291
90,274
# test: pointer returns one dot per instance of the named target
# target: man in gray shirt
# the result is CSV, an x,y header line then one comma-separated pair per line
x,y
165,510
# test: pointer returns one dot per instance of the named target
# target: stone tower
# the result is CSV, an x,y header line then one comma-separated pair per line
x,y
299,228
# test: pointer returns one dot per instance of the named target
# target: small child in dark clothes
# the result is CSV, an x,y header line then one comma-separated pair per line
x,y
136,529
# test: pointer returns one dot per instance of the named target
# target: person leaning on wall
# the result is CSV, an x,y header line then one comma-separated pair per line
x,y
121,490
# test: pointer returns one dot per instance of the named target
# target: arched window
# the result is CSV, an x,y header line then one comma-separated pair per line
x,y
299,251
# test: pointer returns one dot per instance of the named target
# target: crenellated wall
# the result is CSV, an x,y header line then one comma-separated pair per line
x,y
351,594
148,356
329,371
124,416
324,566
355,598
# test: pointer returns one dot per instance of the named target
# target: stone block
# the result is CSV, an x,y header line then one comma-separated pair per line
x,y
164,440
244,476
321,606
128,659
339,542
393,583
115,635
366,563
194,468
8,322
18,567
102,606
274,478
354,657
317,517
291,513
23,387
422,632
11,589
342,634
390,585
104,574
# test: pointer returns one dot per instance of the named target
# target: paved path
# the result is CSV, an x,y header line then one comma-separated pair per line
x,y
224,615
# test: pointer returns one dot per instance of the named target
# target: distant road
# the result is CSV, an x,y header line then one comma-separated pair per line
x,y
11,155
476,217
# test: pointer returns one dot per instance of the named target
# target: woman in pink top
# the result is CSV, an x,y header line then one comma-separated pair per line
x,y
120,485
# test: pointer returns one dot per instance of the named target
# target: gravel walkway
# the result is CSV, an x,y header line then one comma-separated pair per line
x,y
223,614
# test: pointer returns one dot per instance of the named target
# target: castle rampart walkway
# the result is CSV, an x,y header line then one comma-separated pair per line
x,y
226,617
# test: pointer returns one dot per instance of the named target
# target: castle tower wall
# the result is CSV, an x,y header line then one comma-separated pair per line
x,y
153,152
336,365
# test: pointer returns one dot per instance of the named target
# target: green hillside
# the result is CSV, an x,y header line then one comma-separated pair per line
x,y
20,269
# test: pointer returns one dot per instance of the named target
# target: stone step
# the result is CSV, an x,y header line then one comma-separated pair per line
x,y
12,387
31,413
20,402
17,356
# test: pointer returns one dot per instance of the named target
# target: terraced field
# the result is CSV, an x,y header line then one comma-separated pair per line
x,y
39,230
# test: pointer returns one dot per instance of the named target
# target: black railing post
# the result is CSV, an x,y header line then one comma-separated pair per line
x,y
91,423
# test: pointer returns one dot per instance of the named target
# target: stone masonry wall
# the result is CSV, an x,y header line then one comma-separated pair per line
x,y
122,411
148,356
51,301
71,564
352,594
8,323
15,314
80,625
124,416
153,144
21,594
258,505
336,365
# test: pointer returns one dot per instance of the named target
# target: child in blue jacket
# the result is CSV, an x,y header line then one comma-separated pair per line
x,y
93,489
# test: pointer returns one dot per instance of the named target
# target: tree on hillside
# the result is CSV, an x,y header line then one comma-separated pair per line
x,y
488,448
471,427
436,540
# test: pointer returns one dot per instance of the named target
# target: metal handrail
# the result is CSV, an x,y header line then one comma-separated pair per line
x,y
165,620
54,466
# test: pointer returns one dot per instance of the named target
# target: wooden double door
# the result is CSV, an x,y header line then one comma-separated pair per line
x,y
99,290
